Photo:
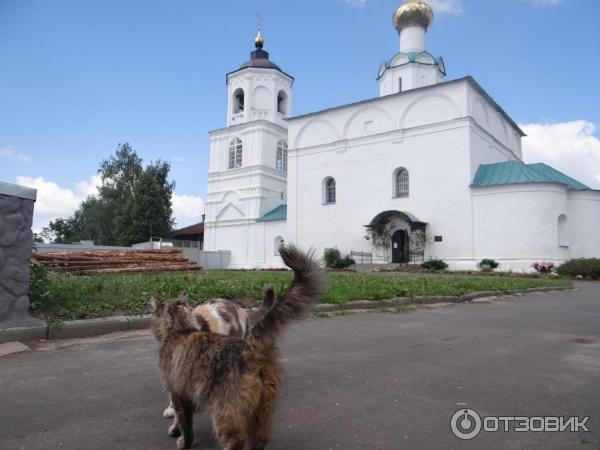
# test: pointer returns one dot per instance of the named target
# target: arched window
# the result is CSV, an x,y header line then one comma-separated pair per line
x,y
563,231
238,101
282,103
278,243
401,182
235,153
282,153
328,190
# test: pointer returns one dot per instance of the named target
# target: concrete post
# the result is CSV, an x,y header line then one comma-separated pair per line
x,y
16,239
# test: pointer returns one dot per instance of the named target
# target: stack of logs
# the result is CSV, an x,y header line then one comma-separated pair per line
x,y
86,263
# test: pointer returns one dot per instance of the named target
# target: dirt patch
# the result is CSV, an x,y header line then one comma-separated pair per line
x,y
584,340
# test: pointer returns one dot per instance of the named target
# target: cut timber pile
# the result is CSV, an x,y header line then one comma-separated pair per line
x,y
85,263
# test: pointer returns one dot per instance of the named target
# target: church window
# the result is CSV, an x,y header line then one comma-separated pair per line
x,y
282,153
401,183
399,84
238,101
235,153
563,231
282,103
329,190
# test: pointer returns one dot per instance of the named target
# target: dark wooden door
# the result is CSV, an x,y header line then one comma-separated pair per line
x,y
399,250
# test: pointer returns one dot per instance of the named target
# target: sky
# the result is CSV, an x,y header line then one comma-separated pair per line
x,y
78,77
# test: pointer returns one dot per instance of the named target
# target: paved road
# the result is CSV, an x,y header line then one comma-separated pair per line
x,y
363,381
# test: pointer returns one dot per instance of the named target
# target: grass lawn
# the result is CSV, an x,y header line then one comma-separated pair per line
x,y
68,297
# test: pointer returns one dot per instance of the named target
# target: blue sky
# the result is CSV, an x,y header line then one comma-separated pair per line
x,y
77,77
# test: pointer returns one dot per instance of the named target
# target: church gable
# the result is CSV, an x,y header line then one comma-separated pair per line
x,y
230,212
429,108
316,132
367,121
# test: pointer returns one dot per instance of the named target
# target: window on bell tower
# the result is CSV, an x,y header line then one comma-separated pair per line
x,y
282,103
235,153
282,153
238,101
400,84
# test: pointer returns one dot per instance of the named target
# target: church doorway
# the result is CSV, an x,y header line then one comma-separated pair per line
x,y
399,247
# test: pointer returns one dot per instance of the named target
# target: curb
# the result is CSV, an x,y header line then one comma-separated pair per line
x,y
73,329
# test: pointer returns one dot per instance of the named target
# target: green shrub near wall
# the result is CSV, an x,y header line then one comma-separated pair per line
x,y
586,267
333,259
434,264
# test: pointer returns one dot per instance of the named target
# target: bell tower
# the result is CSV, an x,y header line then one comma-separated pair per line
x,y
247,176
412,67
259,89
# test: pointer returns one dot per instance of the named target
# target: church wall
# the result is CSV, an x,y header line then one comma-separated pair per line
x,y
269,236
583,218
400,112
517,225
426,132
486,115
236,238
486,150
252,244
439,195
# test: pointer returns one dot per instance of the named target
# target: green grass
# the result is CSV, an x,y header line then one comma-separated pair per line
x,y
68,297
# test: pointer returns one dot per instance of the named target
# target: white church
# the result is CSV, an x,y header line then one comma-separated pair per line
x,y
429,169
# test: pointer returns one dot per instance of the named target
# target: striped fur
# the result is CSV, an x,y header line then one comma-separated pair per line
x,y
236,380
218,316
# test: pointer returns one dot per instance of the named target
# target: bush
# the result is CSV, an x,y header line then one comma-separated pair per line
x,y
333,259
586,267
487,265
39,285
331,256
543,267
434,264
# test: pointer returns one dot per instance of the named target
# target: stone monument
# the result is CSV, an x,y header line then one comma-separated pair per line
x,y
16,239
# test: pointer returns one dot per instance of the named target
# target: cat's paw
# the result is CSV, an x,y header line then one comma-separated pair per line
x,y
181,443
174,430
169,412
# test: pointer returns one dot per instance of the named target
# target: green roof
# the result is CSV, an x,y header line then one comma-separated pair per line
x,y
513,172
279,213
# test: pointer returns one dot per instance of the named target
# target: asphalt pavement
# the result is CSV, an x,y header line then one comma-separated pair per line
x,y
360,381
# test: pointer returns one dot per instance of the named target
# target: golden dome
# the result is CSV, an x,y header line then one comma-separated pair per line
x,y
413,13
259,40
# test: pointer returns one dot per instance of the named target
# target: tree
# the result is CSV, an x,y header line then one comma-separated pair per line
x,y
132,204
148,211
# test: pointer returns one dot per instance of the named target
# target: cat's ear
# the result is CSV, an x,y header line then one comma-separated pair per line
x,y
268,299
153,304
183,298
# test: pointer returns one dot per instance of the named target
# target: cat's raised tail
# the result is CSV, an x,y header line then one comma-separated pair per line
x,y
306,289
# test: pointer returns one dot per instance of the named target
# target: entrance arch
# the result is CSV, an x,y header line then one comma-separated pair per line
x,y
397,237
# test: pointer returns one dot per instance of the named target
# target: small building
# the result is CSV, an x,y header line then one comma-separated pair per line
x,y
190,233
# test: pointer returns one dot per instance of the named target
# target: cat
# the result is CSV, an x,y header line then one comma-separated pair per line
x,y
236,380
218,316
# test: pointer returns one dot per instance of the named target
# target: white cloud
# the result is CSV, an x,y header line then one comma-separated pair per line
x,y
454,7
9,151
543,2
90,187
355,3
178,159
54,201
570,147
187,209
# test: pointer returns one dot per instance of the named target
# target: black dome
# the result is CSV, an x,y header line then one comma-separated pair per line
x,y
260,58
